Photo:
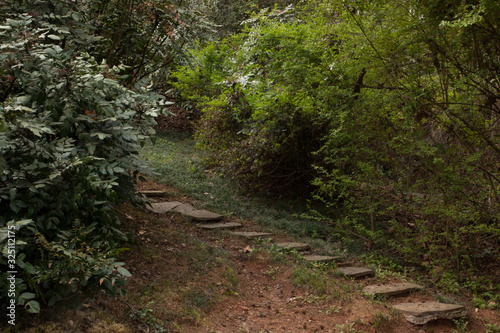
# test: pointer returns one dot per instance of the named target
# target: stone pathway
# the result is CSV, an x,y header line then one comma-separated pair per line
x,y
293,246
317,258
422,313
221,225
416,313
203,216
391,289
356,272
251,234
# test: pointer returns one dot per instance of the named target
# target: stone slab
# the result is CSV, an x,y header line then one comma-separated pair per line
x,y
183,208
152,193
222,225
356,272
163,207
293,246
316,258
422,313
344,264
202,215
391,289
251,234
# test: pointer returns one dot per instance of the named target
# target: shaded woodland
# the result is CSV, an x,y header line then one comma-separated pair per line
x,y
385,115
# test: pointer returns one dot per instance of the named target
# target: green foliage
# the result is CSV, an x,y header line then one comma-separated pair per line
x,y
145,316
230,15
264,122
68,145
149,37
388,109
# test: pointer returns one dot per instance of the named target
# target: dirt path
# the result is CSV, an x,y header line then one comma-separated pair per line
x,y
186,279
277,292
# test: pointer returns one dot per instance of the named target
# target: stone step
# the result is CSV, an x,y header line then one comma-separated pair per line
x,y
356,272
293,246
202,215
183,208
152,193
344,264
250,234
317,258
391,289
422,313
221,225
163,207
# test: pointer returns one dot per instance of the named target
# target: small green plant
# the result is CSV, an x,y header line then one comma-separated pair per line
x,y
313,279
379,317
486,300
273,271
277,253
244,328
346,328
460,325
492,328
333,309
145,316
317,299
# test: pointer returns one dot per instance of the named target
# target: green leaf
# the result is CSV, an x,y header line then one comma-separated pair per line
x,y
33,307
54,37
28,295
123,271
23,223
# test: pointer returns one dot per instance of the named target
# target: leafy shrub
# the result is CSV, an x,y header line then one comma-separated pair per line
x,y
69,136
384,109
261,118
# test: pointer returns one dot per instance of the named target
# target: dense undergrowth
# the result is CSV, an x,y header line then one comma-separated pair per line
x,y
385,112
80,86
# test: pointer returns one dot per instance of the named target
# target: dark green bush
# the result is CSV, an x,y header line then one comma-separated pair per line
x,y
69,137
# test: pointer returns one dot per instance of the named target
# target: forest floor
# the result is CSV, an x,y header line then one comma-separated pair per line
x,y
186,279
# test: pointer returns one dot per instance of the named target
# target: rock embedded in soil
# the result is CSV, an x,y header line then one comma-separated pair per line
x,y
317,258
183,208
391,289
152,193
222,225
344,264
251,234
203,216
163,207
422,313
293,246
356,272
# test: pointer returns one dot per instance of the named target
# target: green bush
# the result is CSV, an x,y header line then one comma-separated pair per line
x,y
260,94
383,108
69,137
